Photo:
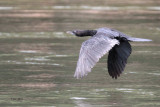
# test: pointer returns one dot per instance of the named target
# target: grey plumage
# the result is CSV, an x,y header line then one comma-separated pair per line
x,y
90,53
104,40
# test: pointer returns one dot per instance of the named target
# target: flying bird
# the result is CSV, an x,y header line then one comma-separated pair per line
x,y
104,40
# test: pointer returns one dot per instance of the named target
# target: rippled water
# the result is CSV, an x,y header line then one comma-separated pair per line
x,y
38,58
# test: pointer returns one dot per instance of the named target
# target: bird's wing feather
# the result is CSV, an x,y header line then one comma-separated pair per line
x,y
117,58
90,53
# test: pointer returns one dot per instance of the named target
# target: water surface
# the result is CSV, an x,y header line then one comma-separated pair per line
x,y
38,58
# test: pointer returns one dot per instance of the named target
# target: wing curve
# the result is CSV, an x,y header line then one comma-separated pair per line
x,y
90,53
117,58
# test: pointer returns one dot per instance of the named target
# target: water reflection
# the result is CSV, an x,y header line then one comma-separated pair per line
x,y
80,102
107,7
6,8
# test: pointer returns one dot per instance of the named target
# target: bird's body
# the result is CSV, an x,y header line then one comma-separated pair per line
x,y
103,40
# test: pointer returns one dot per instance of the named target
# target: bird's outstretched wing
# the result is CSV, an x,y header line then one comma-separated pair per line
x,y
91,51
117,58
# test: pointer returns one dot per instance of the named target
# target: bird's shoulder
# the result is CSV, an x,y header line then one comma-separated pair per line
x,y
111,33
107,32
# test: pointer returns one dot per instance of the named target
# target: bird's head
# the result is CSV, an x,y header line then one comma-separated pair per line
x,y
74,32
81,33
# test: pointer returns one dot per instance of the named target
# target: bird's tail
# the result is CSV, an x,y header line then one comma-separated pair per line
x,y
138,39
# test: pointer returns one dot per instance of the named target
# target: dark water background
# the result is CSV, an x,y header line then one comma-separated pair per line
x,y
38,59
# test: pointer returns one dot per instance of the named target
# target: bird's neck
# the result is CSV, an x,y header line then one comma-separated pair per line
x,y
86,33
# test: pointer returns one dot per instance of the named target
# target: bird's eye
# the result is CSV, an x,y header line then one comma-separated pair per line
x,y
74,32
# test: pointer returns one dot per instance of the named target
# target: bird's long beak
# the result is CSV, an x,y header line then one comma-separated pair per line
x,y
70,32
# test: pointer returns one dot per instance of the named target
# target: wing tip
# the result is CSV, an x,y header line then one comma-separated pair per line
x,y
115,76
79,75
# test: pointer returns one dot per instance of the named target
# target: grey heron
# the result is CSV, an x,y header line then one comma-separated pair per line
x,y
104,40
